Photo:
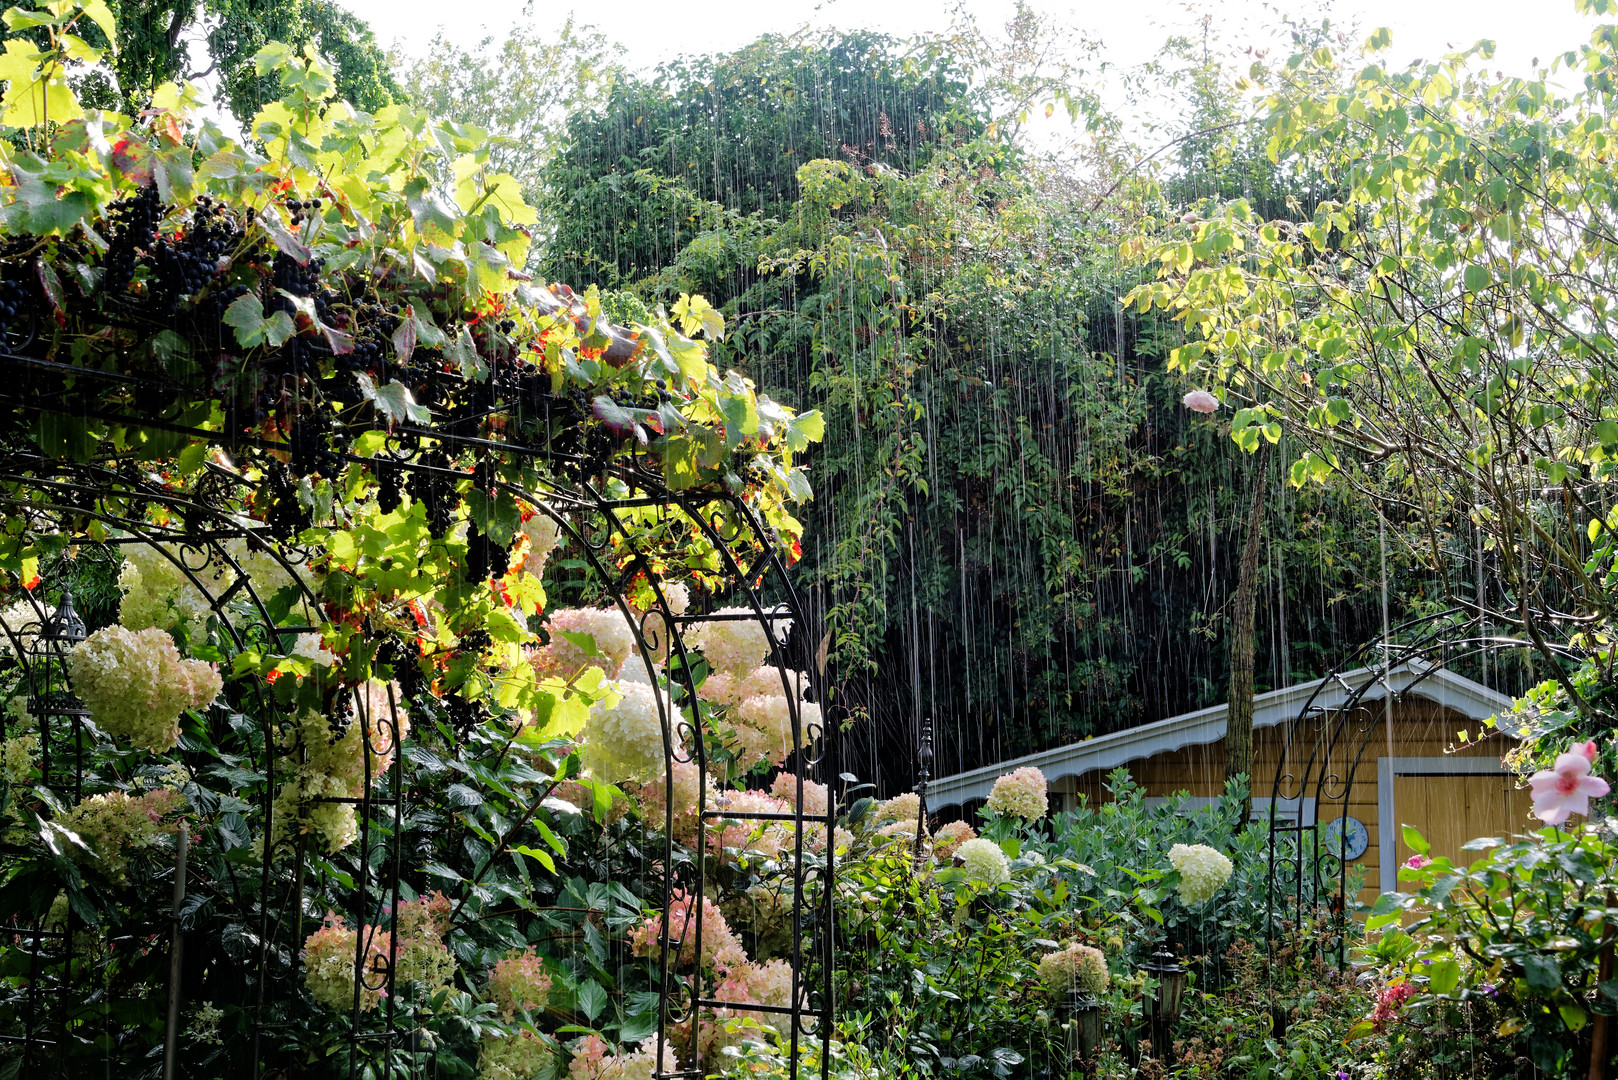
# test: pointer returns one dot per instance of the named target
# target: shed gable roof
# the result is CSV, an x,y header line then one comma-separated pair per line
x,y
1106,752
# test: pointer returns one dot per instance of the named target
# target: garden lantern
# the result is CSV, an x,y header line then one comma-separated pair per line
x,y
1081,1015
49,695
1165,1008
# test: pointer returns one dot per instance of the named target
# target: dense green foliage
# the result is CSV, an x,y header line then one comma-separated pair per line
x,y
1018,530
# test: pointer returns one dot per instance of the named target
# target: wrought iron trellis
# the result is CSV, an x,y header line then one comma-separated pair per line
x,y
196,545
1322,751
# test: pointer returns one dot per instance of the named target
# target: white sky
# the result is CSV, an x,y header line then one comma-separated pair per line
x,y
656,30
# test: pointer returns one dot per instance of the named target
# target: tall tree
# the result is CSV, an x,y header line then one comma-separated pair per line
x,y
521,89
151,49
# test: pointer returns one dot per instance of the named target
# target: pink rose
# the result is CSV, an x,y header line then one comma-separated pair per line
x,y
1567,788
1201,401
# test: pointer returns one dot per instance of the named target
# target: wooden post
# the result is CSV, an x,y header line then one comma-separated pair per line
x,y
171,1031
1598,1029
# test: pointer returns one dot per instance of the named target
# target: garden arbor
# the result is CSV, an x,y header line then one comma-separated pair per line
x,y
453,627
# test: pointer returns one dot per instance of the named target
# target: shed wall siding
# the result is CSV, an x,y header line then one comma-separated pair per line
x,y
1419,729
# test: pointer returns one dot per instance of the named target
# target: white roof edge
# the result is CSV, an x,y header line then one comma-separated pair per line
x,y
1204,726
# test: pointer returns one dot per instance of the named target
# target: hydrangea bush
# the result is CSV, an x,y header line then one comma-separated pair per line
x,y
326,530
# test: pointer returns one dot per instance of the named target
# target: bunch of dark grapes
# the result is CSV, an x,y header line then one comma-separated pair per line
x,y
389,487
187,264
436,493
283,512
15,301
309,441
132,234
296,278
372,328
484,557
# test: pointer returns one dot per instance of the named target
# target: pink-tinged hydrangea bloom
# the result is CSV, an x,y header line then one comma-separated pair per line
x,y
1416,862
328,965
1566,788
769,983
419,925
646,939
654,801
613,636
949,838
764,728
593,1061
815,796
520,982
904,807
1020,794
767,838
1200,401
136,684
116,825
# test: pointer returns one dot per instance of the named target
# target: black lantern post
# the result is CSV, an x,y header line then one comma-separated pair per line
x,y
924,772
51,698
1164,1009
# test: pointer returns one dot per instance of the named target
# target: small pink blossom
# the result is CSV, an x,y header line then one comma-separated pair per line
x,y
1200,401
1589,751
1416,862
1567,788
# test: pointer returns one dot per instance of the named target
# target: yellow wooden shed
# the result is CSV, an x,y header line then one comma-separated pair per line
x,y
1386,744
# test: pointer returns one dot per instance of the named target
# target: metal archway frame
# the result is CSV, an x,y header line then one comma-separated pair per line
x,y
1321,754
726,521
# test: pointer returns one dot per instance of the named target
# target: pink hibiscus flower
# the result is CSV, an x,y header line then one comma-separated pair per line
x,y
1200,401
1567,788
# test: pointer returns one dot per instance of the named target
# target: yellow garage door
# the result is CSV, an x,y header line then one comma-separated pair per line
x,y
1450,810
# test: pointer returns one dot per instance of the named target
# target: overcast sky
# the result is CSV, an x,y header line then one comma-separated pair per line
x,y
656,30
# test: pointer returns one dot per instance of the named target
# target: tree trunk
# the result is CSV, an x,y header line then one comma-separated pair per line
x,y
1239,712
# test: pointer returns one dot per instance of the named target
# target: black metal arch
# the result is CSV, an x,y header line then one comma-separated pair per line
x,y
195,543
1321,754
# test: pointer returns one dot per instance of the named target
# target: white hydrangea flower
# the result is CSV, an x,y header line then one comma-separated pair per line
x,y
156,592
734,645
312,647
1080,968
624,742
1203,871
335,769
22,619
1020,794
984,861
136,685
543,538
